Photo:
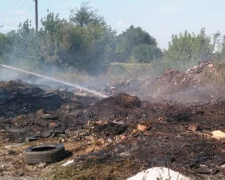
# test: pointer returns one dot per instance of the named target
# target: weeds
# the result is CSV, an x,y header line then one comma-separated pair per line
x,y
93,169
120,72
214,74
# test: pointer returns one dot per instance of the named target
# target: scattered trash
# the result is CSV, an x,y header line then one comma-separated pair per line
x,y
62,140
125,154
10,152
42,165
49,94
204,170
44,153
68,162
157,173
30,139
14,145
193,127
143,127
218,134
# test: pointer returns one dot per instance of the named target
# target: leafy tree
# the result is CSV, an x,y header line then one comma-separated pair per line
x,y
188,46
130,39
221,53
87,41
24,46
76,46
51,38
85,15
88,48
4,47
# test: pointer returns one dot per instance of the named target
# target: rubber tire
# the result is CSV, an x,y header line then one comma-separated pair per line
x,y
47,156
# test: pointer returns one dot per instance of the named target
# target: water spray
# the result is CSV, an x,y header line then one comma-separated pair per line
x,y
56,80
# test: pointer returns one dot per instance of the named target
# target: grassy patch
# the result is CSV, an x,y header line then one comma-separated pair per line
x,y
96,169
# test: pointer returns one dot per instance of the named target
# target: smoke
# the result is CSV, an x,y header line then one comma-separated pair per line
x,y
56,80
201,94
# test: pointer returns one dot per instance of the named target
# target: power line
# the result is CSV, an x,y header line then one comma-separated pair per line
x,y
22,4
16,5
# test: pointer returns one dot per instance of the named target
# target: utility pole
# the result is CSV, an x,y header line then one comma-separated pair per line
x,y
36,15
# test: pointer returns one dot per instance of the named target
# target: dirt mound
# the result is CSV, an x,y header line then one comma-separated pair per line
x,y
115,107
172,85
18,98
182,80
14,90
121,100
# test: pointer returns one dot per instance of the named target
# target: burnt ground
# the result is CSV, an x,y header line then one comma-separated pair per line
x,y
105,137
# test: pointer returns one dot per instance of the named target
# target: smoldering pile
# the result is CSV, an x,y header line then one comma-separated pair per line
x,y
186,87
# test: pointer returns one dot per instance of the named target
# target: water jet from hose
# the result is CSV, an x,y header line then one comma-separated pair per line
x,y
56,80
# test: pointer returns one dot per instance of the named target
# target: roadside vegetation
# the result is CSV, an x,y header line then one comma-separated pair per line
x,y
85,47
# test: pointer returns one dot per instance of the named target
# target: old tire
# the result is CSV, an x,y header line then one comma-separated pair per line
x,y
46,153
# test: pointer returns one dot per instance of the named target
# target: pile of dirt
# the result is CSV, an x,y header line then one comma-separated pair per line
x,y
18,98
173,85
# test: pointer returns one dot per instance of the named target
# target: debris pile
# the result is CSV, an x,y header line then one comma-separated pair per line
x,y
172,85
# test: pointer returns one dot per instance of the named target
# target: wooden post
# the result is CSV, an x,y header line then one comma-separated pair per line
x,y
36,15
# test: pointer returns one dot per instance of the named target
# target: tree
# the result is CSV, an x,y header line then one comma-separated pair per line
x,y
51,38
4,47
85,15
24,46
188,46
88,48
221,52
130,39
76,45
87,41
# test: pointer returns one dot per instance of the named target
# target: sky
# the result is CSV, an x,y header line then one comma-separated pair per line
x,y
160,18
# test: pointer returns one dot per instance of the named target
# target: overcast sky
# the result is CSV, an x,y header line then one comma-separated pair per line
x,y
160,18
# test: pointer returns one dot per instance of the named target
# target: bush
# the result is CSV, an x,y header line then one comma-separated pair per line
x,y
188,46
145,53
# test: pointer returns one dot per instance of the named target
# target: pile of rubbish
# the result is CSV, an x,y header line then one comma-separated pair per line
x,y
173,85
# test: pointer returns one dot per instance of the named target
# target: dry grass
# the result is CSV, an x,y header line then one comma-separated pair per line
x,y
93,168
215,74
120,72
117,72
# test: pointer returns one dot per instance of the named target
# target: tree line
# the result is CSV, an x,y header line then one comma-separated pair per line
x,y
87,43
